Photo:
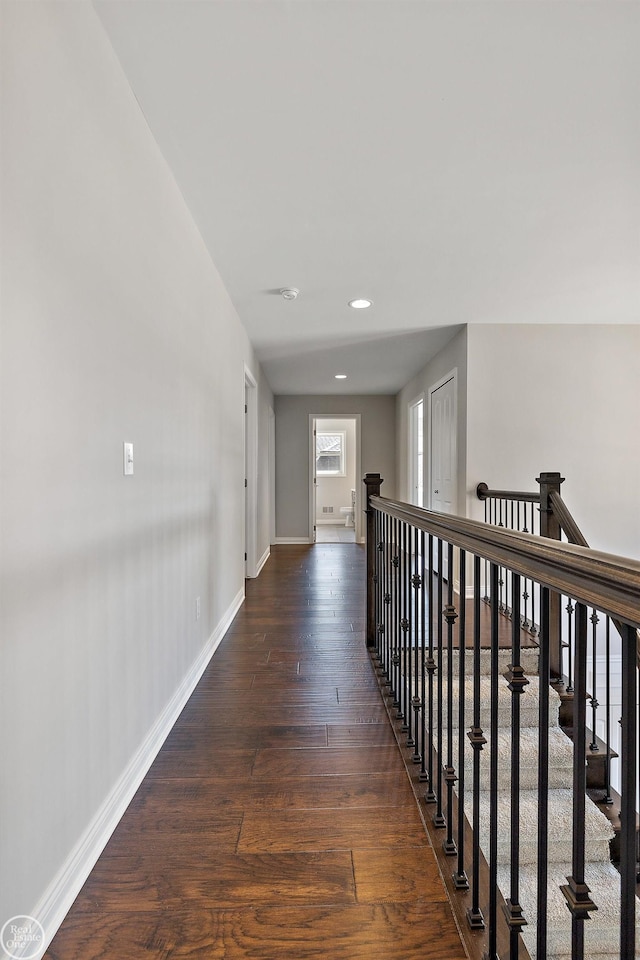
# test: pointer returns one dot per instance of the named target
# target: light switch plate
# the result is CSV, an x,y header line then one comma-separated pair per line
x,y
128,459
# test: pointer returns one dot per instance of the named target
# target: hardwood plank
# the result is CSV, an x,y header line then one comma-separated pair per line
x,y
356,791
360,734
202,828
197,757
329,829
327,762
397,875
420,931
141,881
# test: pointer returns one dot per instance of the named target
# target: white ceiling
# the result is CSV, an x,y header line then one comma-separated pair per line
x,y
456,162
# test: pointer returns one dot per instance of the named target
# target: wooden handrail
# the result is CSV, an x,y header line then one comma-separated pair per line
x,y
565,519
602,580
483,493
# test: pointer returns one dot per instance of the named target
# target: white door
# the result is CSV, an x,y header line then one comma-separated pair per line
x,y
443,457
313,499
247,519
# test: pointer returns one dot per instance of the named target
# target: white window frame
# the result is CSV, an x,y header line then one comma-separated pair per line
x,y
342,472
416,482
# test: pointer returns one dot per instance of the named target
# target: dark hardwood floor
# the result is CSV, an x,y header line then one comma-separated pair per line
x,y
278,821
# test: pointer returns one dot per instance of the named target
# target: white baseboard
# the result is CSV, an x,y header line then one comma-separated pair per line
x,y
66,885
263,559
292,540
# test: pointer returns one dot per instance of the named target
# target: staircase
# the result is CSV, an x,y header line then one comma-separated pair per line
x,y
602,932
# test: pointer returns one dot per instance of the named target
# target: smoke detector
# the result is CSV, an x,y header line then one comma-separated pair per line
x,y
289,293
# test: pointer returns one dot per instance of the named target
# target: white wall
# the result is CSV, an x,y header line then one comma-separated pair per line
x,y
336,491
452,356
115,326
377,439
560,397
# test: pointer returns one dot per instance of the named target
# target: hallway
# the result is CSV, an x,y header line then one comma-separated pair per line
x,y
277,821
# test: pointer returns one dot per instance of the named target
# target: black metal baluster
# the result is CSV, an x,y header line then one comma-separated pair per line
x,y
595,620
416,700
544,678
395,655
533,630
438,819
430,796
629,786
570,645
487,519
404,626
377,581
460,879
501,606
406,726
477,740
493,774
517,682
450,615
423,656
576,891
386,663
524,623
608,799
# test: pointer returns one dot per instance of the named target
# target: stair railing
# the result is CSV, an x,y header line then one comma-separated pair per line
x,y
556,521
428,574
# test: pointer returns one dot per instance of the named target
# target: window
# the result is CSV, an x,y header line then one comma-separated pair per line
x,y
330,454
416,453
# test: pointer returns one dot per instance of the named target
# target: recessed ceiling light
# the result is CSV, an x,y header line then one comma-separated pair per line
x,y
360,303
341,376
289,293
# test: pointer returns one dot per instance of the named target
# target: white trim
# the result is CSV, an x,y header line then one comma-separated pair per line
x,y
263,559
292,540
66,885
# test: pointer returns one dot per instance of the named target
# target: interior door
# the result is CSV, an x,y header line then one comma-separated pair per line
x,y
443,447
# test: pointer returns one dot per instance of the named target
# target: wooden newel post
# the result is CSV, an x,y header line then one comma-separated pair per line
x,y
372,482
550,527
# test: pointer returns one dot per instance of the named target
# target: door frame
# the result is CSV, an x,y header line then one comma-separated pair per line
x,y
357,519
250,432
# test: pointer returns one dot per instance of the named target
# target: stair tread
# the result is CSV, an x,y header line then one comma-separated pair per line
x,y
598,829
602,932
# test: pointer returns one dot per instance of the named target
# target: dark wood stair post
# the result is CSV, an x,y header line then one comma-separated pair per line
x,y
372,482
550,527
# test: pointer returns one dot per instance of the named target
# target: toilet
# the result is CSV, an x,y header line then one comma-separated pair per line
x,y
349,512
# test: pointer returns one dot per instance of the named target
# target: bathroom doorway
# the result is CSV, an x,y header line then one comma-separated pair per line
x,y
334,497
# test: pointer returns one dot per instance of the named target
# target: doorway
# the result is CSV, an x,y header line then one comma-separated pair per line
x,y
334,497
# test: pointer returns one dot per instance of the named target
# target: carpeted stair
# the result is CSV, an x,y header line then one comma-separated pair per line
x,y
602,930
